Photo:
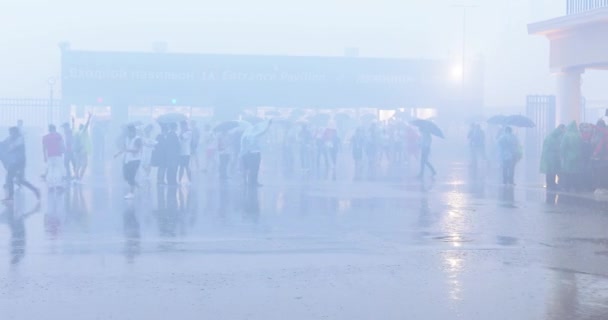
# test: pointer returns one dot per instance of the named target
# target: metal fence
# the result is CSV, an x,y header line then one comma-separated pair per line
x,y
542,110
579,6
35,112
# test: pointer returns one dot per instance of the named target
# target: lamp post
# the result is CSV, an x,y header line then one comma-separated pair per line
x,y
51,81
464,8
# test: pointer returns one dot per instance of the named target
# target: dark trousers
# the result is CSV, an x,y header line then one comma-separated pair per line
x,y
17,174
172,174
223,167
251,165
129,171
508,171
167,174
424,162
551,180
161,174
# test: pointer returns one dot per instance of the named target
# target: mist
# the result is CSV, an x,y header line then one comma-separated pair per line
x,y
273,159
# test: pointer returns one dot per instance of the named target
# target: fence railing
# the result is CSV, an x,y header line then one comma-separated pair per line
x,y
579,6
34,112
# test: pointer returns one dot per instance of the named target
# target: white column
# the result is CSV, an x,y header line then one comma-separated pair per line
x,y
569,96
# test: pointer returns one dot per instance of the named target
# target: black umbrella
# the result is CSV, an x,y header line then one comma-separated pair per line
x,y
272,114
230,125
519,121
428,126
497,120
172,118
320,119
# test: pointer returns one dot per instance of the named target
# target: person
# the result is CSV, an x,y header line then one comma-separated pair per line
x,y
148,145
477,143
196,138
185,149
510,154
173,151
132,155
571,157
14,160
425,152
550,162
210,148
68,155
223,150
82,148
358,145
305,141
159,156
600,157
251,152
53,149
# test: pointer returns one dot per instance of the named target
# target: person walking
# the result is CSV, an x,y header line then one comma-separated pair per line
x,y
159,155
194,144
82,148
14,160
223,149
173,151
148,144
550,161
425,153
358,146
510,154
251,153
53,148
185,149
477,142
132,155
68,155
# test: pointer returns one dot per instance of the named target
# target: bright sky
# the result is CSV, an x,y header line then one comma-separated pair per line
x,y
516,63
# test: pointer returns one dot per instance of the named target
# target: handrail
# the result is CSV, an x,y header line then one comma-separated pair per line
x,y
580,6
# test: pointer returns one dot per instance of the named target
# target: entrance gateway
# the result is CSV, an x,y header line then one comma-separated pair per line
x,y
228,84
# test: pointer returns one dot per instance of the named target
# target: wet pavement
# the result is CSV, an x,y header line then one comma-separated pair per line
x,y
461,247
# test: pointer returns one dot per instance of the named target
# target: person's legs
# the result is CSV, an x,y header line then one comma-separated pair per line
x,y
550,180
20,178
223,168
172,174
246,163
424,159
161,174
256,160
9,183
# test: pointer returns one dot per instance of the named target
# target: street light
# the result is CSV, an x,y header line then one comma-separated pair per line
x,y
464,8
51,81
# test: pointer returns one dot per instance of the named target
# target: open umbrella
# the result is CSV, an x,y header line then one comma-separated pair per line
x,y
320,119
497,120
272,114
428,126
172,118
519,121
232,125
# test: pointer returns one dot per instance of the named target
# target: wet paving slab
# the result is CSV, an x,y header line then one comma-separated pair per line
x,y
456,248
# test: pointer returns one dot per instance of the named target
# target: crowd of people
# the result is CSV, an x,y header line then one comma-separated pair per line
x,y
574,157
173,150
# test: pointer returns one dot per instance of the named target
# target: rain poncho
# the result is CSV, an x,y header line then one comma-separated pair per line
x,y
550,161
571,150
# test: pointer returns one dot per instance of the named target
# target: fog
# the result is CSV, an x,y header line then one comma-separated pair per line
x,y
515,62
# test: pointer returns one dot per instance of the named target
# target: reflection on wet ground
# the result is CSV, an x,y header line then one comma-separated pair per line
x,y
386,250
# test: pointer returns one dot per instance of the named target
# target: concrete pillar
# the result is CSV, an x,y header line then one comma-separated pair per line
x,y
569,96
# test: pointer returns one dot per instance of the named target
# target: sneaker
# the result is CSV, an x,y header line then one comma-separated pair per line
x,y
129,196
